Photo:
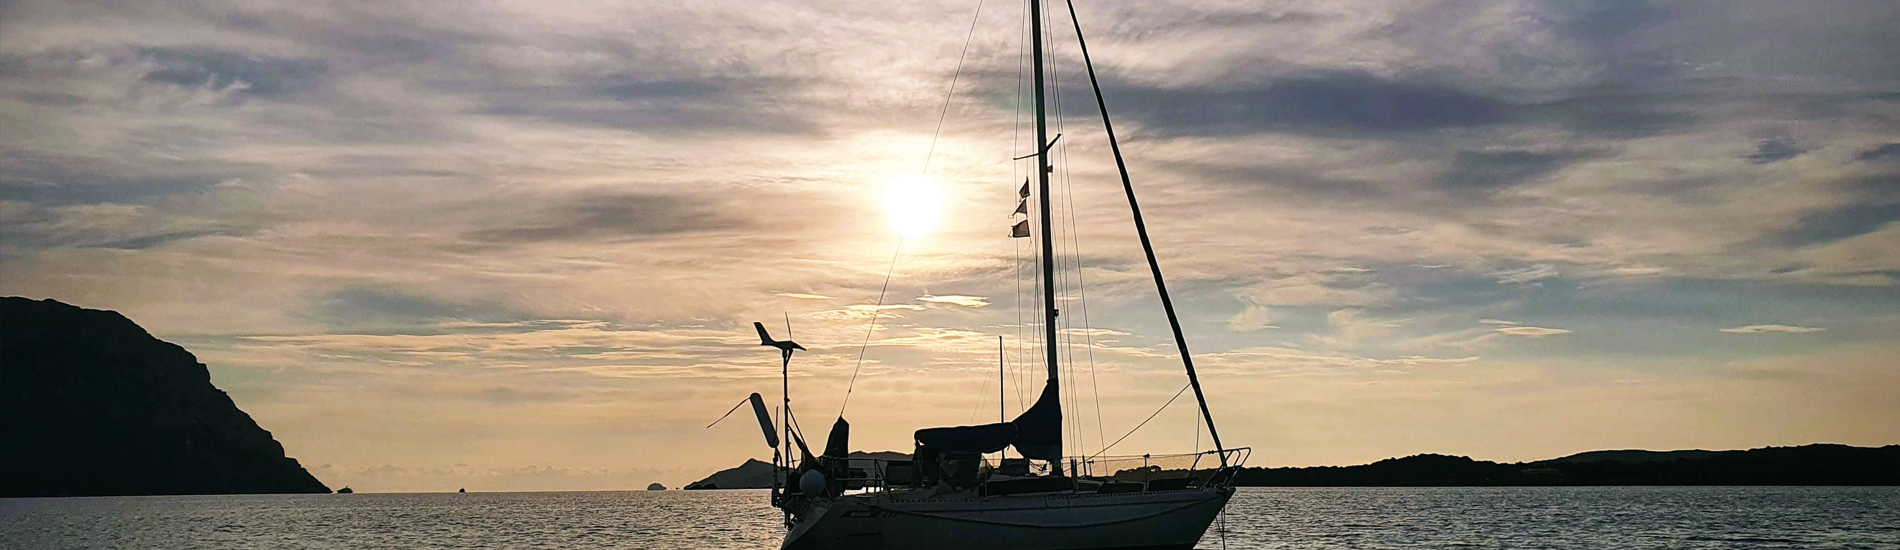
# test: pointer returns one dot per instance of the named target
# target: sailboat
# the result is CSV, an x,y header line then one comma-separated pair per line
x,y
947,495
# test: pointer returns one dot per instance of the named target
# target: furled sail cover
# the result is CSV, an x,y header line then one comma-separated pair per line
x,y
838,444
1039,429
1037,433
987,438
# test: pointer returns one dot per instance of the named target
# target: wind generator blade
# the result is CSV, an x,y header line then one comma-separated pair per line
x,y
765,420
765,338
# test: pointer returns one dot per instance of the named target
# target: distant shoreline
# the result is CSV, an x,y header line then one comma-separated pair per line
x,y
1815,465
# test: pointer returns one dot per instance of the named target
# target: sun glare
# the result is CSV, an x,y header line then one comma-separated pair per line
x,y
913,204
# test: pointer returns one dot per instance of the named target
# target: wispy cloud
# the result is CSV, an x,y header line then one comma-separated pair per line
x,y
1772,329
1533,332
803,296
1527,275
1253,316
955,300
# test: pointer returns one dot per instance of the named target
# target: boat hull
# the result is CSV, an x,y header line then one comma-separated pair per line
x,y
1059,521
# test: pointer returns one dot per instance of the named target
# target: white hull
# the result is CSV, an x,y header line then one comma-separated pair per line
x,y
1053,521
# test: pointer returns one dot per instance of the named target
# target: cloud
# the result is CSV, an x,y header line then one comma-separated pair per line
x,y
1533,332
1350,326
1486,171
105,226
610,217
1638,271
865,311
55,179
1279,360
1839,223
955,300
803,296
217,70
1883,152
1497,322
1253,317
1774,149
1526,275
1319,102
1772,329
633,103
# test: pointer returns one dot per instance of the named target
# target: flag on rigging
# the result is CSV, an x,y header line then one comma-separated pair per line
x,y
1025,192
1022,207
1020,231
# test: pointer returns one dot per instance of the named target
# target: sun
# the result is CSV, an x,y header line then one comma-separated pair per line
x,y
913,205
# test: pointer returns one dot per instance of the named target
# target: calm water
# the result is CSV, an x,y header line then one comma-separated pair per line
x,y
1635,517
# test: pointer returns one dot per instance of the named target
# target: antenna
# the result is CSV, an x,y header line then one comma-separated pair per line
x,y
785,349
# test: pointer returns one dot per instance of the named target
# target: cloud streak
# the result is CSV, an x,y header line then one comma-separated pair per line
x,y
1772,329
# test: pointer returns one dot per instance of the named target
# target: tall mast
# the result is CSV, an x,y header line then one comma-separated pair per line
x,y
1001,415
1048,255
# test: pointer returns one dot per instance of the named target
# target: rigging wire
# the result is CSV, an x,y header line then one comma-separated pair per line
x,y
1081,281
735,408
1015,140
1088,329
1164,406
977,406
1016,374
1187,359
945,112
1074,244
1071,421
928,154
875,310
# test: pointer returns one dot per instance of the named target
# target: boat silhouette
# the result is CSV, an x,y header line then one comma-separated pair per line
x,y
948,495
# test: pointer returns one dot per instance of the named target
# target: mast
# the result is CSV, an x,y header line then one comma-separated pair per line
x,y
1141,228
1048,254
1001,416
785,422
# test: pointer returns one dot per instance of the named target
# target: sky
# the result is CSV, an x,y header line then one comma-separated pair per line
x,y
511,245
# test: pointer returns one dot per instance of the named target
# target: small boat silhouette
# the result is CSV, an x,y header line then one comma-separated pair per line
x,y
344,491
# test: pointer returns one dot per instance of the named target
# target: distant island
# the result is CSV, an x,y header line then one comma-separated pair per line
x,y
753,474
93,405
1818,464
655,487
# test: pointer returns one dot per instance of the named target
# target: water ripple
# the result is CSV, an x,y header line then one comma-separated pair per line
x,y
1259,518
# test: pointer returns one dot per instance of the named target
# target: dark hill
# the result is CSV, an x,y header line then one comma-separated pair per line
x,y
91,404
1820,464
1634,456
753,474
1416,470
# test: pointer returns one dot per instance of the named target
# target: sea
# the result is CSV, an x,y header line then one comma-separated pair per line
x,y
1318,518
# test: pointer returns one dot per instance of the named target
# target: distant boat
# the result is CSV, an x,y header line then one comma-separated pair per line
x,y
464,490
948,495
344,491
